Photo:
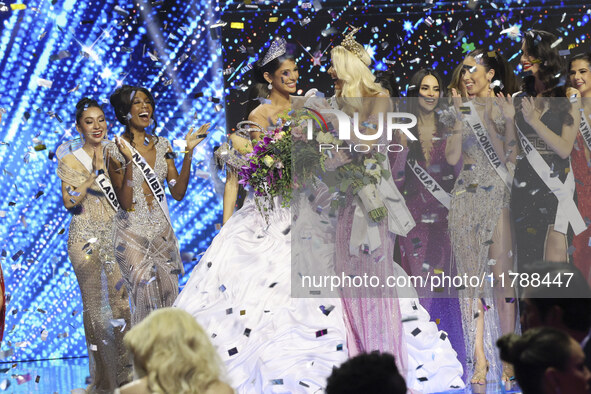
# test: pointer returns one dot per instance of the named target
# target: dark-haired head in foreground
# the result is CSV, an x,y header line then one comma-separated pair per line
x,y
546,360
367,373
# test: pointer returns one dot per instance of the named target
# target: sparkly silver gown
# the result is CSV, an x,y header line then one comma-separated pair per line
x,y
146,248
106,308
478,198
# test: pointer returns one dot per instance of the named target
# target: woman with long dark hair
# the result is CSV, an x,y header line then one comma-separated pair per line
x,y
479,221
580,79
240,292
146,248
548,123
87,194
425,179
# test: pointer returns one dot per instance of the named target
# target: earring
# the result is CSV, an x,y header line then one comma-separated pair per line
x,y
270,86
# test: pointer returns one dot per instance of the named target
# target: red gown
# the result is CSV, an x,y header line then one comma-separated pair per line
x,y
581,242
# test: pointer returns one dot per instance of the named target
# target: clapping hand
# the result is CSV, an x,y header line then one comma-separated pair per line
x,y
123,148
193,138
528,110
506,105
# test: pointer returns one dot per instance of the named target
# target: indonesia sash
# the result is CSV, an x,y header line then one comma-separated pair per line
x,y
487,147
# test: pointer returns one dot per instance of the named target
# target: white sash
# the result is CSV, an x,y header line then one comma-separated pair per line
x,y
487,147
585,130
567,211
400,221
430,184
101,180
151,180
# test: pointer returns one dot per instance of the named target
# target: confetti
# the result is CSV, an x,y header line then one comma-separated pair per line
x,y
44,83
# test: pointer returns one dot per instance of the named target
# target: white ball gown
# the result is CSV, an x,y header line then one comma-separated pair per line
x,y
240,292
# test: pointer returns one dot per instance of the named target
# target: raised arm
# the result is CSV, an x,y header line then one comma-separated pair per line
x,y
453,146
177,183
243,146
561,144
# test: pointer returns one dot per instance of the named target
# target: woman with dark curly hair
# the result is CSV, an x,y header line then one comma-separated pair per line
x,y
547,124
145,245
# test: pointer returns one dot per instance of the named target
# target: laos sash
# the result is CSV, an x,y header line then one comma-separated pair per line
x,y
430,184
483,138
567,211
101,180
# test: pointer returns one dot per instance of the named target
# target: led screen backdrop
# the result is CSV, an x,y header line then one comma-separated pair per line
x,y
192,55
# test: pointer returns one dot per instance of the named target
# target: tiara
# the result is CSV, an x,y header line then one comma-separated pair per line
x,y
351,45
276,49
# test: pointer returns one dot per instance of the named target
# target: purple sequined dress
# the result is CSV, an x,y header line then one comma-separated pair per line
x,y
426,250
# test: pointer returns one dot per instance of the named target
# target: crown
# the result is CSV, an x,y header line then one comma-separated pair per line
x,y
351,45
276,49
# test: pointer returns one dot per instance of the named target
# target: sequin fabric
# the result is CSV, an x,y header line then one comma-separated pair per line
x,y
478,198
106,312
146,248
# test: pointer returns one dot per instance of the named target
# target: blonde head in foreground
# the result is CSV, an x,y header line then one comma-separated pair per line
x,y
174,352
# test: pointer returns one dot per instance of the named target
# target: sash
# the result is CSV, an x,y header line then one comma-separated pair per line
x,y
567,211
366,232
585,130
430,184
151,179
487,147
102,181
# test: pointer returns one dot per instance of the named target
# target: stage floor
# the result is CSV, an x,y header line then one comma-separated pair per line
x,y
63,376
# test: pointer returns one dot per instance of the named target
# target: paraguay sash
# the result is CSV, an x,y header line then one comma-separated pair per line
x,y
101,180
430,184
151,180
567,209
487,147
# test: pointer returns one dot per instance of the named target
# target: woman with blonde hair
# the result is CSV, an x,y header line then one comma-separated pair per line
x,y
375,316
172,354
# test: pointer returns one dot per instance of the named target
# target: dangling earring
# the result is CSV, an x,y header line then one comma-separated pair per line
x,y
270,86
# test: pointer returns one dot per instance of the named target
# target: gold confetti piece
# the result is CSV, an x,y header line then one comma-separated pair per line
x,y
437,321
438,271
273,19
18,7
237,25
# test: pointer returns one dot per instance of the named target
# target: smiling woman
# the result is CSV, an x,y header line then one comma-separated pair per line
x,y
146,248
90,247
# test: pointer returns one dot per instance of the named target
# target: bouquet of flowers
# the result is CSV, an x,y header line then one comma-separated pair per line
x,y
268,171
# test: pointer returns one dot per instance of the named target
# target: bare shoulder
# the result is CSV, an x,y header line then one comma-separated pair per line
x,y
219,388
